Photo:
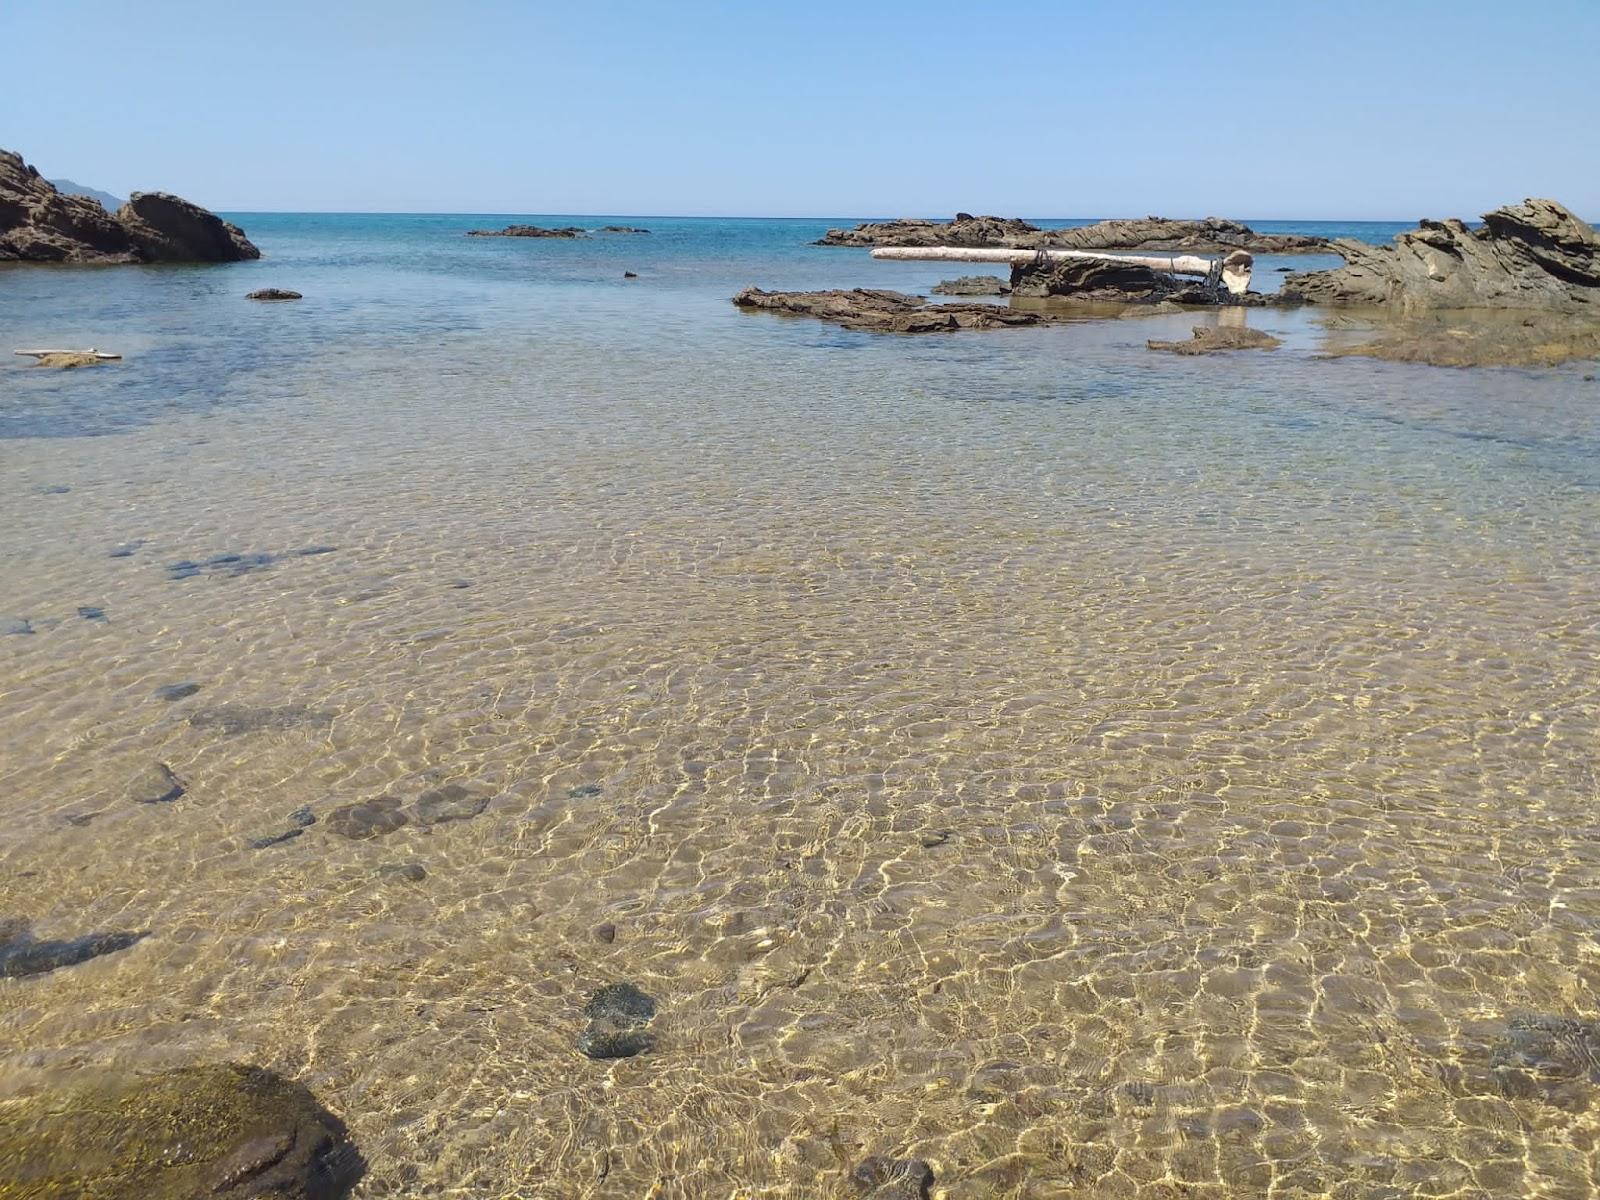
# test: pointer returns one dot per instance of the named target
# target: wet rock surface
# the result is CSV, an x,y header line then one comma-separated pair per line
x,y
21,955
155,784
70,360
888,312
232,720
40,224
367,818
884,1178
1213,339
530,231
273,294
1533,255
618,1016
227,1132
973,285
1141,233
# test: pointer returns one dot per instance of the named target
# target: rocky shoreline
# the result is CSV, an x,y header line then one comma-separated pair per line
x,y
40,224
1207,235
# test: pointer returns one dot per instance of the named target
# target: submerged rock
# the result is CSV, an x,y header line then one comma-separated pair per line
x,y
175,691
1210,234
884,1178
973,285
888,312
16,627
1210,339
403,872
225,1132
367,818
273,294
303,816
530,231
453,802
91,612
231,720
275,839
1533,255
21,955
618,1014
1480,338
621,229
155,784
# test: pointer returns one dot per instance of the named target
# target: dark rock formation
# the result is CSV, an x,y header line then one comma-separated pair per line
x,y
176,691
1209,339
91,612
1211,234
630,274
621,229
367,818
529,231
1105,282
220,564
155,784
224,1132
275,839
403,872
1533,255
21,955
887,312
167,228
272,294
618,1014
973,285
40,224
883,1178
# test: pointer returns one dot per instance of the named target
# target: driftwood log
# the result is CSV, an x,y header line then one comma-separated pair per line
x,y
1234,270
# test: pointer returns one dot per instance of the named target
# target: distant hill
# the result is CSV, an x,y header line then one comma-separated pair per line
x,y
111,203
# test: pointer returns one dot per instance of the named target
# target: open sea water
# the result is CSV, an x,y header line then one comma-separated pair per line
x,y
1094,772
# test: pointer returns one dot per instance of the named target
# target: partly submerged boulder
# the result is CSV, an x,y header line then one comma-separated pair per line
x,y
1209,234
1533,255
1209,339
272,294
887,312
973,285
40,224
227,1132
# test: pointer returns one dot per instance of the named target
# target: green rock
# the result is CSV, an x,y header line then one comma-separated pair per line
x,y
224,1131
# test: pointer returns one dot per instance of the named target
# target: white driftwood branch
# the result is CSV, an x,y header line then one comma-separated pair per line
x,y
41,353
1236,266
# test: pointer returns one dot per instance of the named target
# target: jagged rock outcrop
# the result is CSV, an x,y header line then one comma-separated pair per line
x,y
1111,282
888,312
226,1132
972,285
530,231
1534,255
273,293
1210,234
40,224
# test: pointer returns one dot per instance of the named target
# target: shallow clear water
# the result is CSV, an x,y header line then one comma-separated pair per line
x,y
1091,771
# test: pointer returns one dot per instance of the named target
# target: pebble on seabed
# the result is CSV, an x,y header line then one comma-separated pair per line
x,y
367,818
175,691
155,784
21,956
617,1016
406,872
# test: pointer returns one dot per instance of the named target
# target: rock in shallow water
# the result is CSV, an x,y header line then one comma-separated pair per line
x,y
884,1178
155,784
403,872
1210,339
175,691
225,1132
230,720
21,956
273,294
617,1016
275,839
367,818
453,802
888,312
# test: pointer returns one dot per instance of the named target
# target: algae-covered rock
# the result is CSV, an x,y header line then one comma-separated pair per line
x,y
1211,339
225,1131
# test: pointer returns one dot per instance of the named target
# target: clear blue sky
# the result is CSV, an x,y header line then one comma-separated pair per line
x,y
1275,109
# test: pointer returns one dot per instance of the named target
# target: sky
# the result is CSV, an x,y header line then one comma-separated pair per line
x,y
1346,109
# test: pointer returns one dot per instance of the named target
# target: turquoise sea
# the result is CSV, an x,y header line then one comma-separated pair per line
x,y
1089,771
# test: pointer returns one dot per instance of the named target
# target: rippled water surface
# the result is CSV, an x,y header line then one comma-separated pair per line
x,y
1094,772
